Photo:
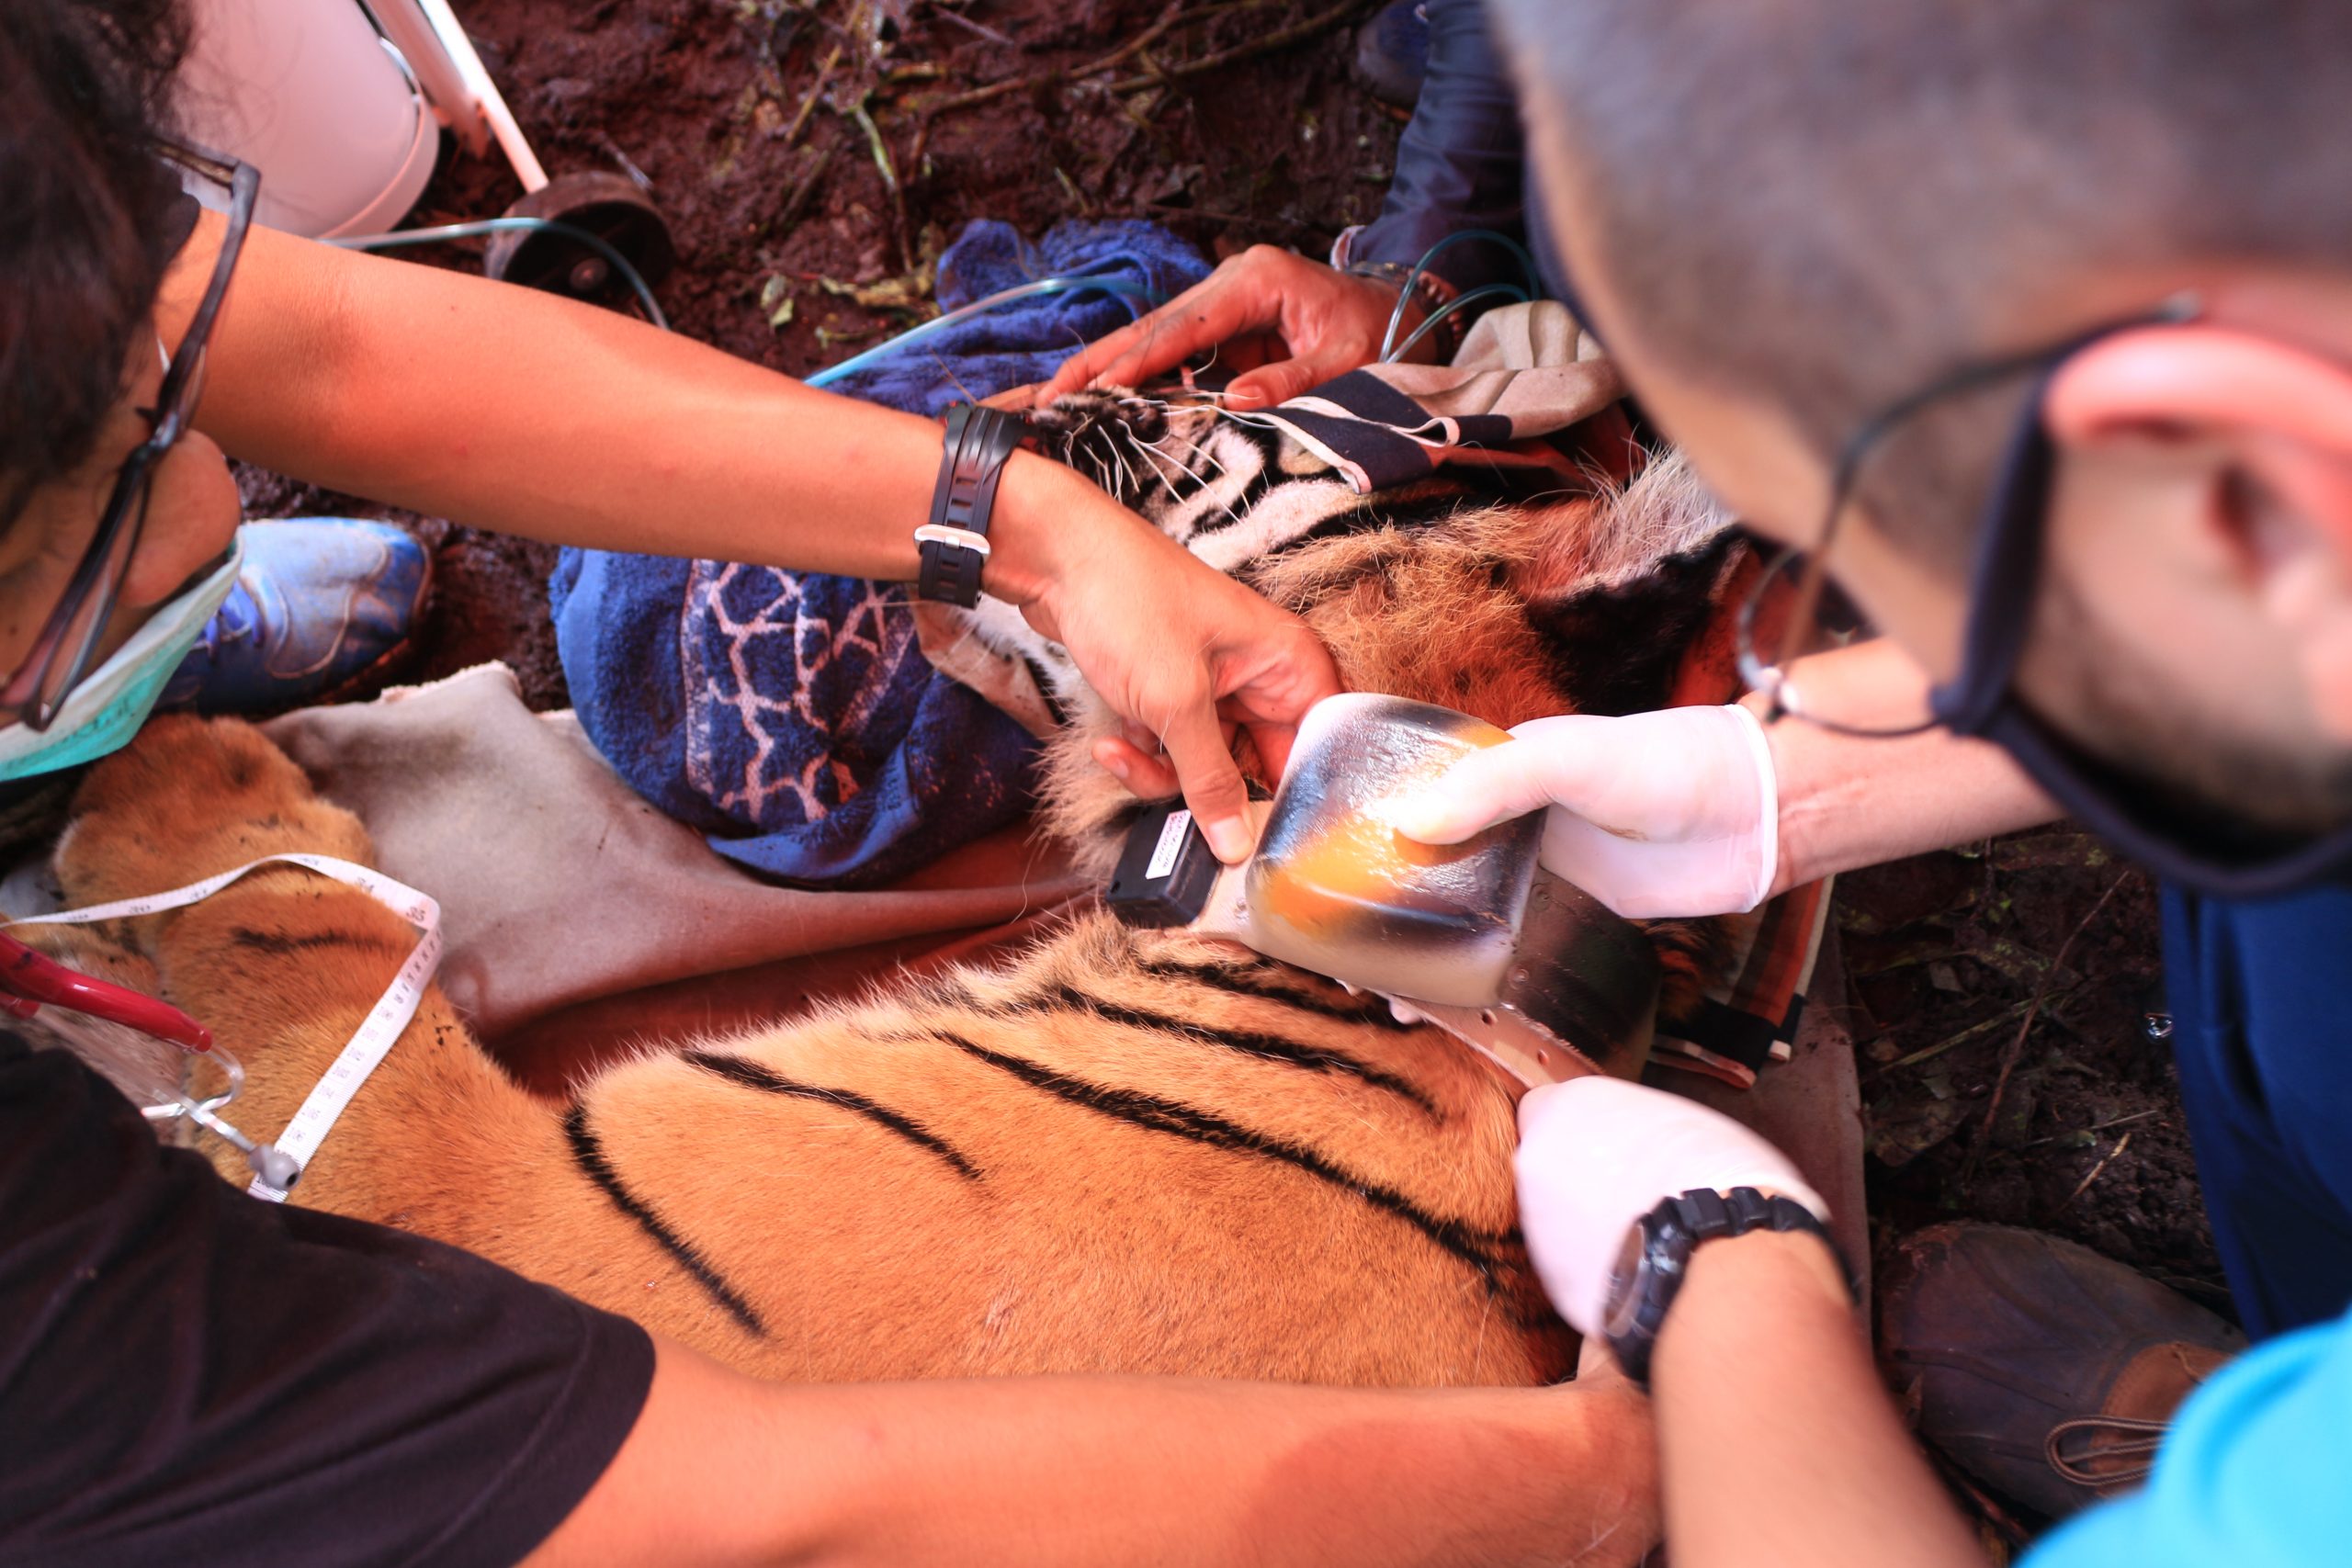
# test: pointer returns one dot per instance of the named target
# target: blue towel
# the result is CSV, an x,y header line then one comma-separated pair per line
x,y
1028,340
792,716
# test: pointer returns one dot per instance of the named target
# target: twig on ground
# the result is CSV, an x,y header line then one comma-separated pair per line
x,y
2094,1127
1175,17
643,180
2083,1185
1119,56
876,144
798,200
2016,1049
948,14
816,91
1297,32
1948,1041
884,165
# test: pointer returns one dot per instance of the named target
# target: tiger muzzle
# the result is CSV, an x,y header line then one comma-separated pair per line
x,y
1476,936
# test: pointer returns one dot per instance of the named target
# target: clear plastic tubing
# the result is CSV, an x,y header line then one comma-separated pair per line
x,y
913,335
480,227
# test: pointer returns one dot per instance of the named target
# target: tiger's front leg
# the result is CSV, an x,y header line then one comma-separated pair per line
x,y
190,797
284,965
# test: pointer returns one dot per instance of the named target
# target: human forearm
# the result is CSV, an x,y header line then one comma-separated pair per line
x,y
511,409
1779,1445
1086,1471
508,408
1848,801
1094,1471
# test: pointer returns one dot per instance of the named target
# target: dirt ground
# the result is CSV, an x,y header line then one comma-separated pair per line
x,y
805,154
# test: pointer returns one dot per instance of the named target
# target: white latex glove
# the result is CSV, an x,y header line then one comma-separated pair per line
x,y
1668,814
1596,1153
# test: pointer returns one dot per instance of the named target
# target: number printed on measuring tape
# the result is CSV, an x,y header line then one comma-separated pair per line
x,y
351,1068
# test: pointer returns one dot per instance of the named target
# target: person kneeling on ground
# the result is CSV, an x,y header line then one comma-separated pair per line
x,y
2031,321
191,1375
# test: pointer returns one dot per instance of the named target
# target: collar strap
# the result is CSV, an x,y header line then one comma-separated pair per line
x,y
954,543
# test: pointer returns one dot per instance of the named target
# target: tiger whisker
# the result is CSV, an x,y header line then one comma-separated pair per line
x,y
1204,452
1158,457
1130,483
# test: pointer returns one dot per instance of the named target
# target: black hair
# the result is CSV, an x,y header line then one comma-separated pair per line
x,y
1827,204
87,237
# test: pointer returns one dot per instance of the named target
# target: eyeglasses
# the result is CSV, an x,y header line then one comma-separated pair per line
x,y
60,656
2021,486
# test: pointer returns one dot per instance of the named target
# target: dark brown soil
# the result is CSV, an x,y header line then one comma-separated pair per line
x,y
751,144
729,115
2003,1000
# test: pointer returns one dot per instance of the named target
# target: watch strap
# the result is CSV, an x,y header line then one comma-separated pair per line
x,y
1669,1234
954,543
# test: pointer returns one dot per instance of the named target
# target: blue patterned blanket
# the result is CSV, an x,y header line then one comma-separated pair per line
x,y
792,716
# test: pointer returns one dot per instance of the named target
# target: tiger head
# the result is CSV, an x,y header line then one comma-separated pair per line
x,y
1448,590
1443,592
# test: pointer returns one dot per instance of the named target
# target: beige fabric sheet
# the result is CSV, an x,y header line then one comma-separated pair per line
x,y
558,884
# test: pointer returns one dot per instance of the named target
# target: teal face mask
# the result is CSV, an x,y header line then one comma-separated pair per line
x,y
106,710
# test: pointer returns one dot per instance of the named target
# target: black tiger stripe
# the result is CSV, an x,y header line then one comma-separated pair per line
x,y
1249,1041
1230,513
1137,1109
1259,981
588,1153
751,1074
1056,709
1196,468
277,944
1355,524
1397,519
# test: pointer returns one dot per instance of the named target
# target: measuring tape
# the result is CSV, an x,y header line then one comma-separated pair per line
x,y
383,1024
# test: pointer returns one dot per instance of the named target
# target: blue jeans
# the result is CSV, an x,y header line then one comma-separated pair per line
x,y
2263,1035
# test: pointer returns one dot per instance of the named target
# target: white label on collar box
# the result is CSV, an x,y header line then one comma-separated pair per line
x,y
1172,839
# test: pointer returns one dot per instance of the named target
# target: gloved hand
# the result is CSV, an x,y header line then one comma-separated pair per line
x,y
1656,814
1596,1153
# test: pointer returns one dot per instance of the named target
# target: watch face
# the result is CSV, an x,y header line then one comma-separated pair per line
x,y
1625,1282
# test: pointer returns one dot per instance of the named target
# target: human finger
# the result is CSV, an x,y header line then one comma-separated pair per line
x,y
1202,317
1210,778
1478,790
1286,378
1144,774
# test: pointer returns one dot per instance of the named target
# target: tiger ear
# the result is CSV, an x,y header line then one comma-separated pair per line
x,y
1594,543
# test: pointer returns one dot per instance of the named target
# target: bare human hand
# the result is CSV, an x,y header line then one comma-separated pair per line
x,y
1289,324
1189,658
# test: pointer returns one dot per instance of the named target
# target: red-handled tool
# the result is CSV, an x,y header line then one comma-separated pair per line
x,y
29,981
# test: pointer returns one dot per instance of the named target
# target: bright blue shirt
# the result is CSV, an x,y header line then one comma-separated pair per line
x,y
2254,1473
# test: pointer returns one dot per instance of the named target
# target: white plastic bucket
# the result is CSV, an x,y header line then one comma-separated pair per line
x,y
310,95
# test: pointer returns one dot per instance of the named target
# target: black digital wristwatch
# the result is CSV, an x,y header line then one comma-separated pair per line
x,y
1649,1269
954,543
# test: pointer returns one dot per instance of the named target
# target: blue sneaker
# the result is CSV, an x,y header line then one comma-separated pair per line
x,y
1392,52
319,604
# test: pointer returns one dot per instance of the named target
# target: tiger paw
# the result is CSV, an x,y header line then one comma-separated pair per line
x,y
190,797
